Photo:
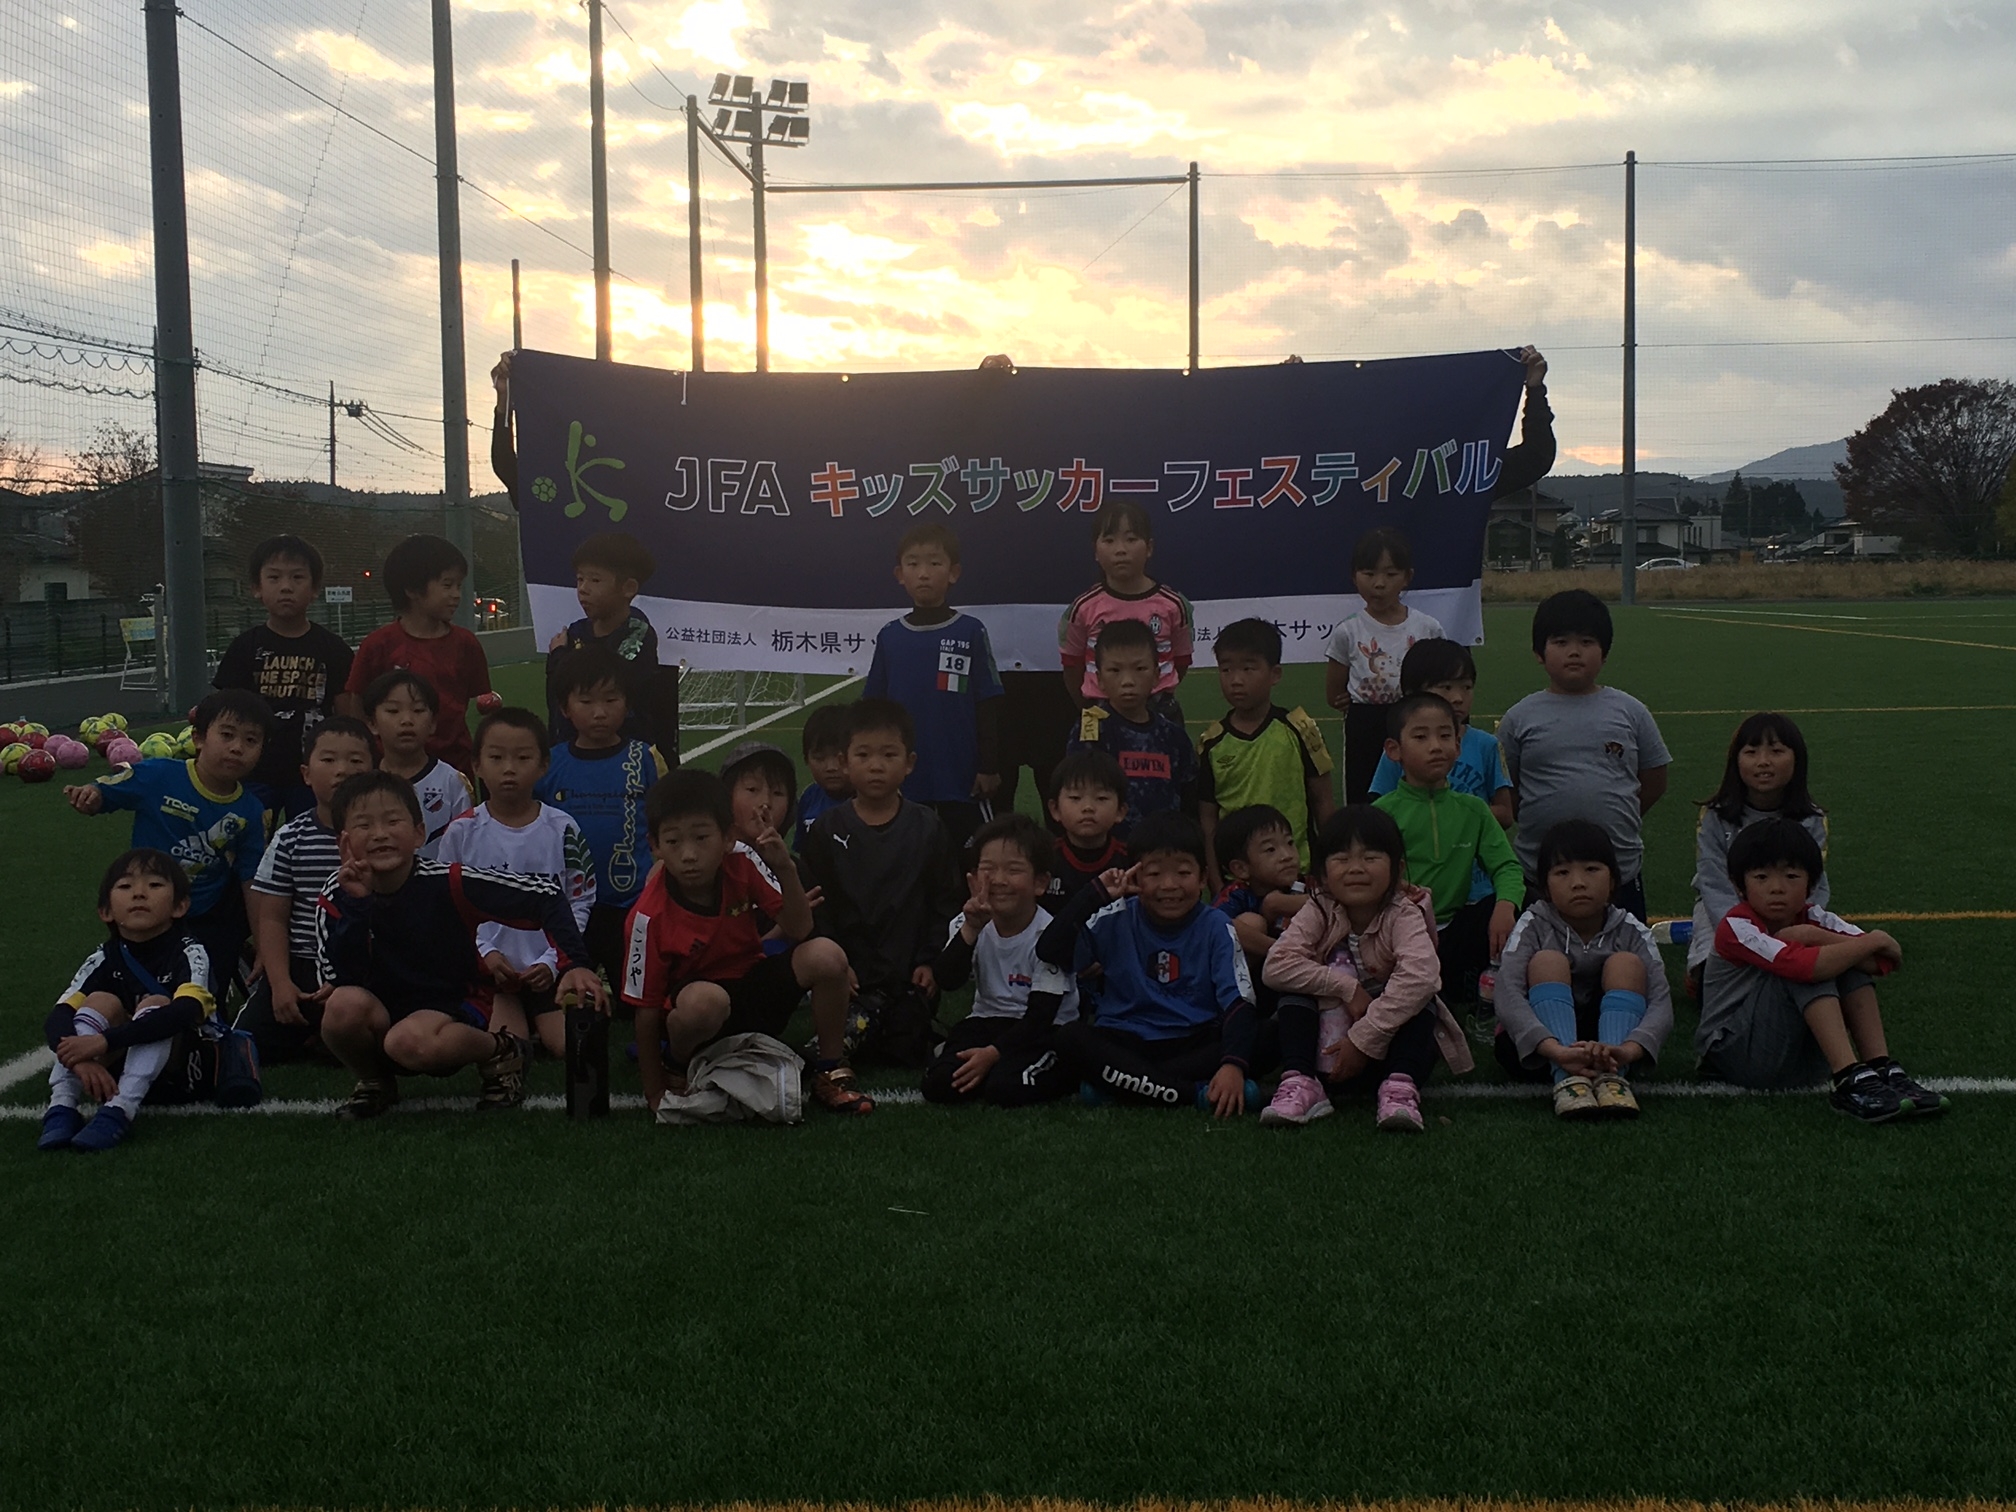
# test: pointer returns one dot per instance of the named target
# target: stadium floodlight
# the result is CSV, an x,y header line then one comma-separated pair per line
x,y
739,121
720,90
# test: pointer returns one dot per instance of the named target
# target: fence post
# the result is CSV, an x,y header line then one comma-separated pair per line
x,y
1628,557
1193,267
454,361
693,293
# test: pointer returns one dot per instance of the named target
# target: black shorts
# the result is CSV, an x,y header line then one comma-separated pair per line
x,y
763,1001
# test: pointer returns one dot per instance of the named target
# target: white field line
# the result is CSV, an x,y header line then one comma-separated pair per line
x,y
22,1067
906,1097
770,719
1781,613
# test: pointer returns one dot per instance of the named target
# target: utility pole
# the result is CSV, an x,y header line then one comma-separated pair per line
x,y
693,232
188,662
454,364
332,433
762,243
598,184
517,311
1629,559
1193,267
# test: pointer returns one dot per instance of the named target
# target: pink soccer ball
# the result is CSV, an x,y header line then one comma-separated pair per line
x,y
71,754
122,752
36,766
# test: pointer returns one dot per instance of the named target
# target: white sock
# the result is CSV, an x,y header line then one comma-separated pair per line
x,y
143,1064
65,1090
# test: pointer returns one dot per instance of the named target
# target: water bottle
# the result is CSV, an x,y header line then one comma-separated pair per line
x,y
1487,982
587,1062
1673,932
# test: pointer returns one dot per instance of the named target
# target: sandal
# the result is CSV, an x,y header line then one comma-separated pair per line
x,y
835,1091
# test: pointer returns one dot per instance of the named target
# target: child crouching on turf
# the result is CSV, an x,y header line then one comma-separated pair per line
x,y
1788,993
1176,1016
114,1029
1357,973
512,831
993,1055
398,940
696,968
1581,986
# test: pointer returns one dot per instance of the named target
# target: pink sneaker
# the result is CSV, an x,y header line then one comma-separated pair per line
x,y
1399,1105
1300,1099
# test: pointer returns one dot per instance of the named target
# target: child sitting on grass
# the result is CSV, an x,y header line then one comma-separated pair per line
x,y
1788,994
1357,973
1123,543
298,667
1581,989
993,1055
1087,801
401,708
398,940
115,1028
825,751
1362,672
602,779
202,814
891,885
285,1005
1263,888
609,570
696,968
1449,835
512,831
423,577
1446,669
1763,777
1176,1014
1153,749
1260,752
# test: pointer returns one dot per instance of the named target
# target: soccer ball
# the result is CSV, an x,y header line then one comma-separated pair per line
x,y
90,728
36,766
116,721
70,754
185,743
489,703
35,729
9,734
10,758
35,739
121,751
158,744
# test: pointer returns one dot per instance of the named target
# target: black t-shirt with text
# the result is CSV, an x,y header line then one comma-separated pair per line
x,y
299,676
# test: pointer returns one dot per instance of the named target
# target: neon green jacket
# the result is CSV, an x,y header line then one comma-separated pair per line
x,y
1446,832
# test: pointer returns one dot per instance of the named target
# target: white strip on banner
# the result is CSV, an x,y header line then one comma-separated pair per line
x,y
841,642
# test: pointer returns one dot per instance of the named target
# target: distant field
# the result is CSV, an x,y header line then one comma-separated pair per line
x,y
1731,1300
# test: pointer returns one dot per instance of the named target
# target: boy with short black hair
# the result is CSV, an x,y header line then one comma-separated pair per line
x,y
696,967
1263,882
115,1028
512,831
991,1055
397,937
610,570
939,664
1176,1008
297,666
423,577
202,814
603,780
1579,750
762,790
1446,668
1788,993
891,880
285,1005
1151,745
1260,752
825,751
1448,834
1087,801
401,708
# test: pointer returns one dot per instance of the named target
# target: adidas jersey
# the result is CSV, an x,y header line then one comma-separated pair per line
x,y
550,846
445,796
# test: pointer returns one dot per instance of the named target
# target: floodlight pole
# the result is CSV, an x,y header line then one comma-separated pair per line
x,y
454,362
517,311
1193,267
332,433
762,241
598,183
1629,556
693,231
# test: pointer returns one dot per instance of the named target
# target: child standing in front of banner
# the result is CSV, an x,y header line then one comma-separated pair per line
x,y
1123,542
939,664
1362,677
609,571
423,577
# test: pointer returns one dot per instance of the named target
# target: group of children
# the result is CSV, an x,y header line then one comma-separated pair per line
x,y
1194,917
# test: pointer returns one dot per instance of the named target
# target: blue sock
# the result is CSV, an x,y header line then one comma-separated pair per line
x,y
1619,1013
1554,1005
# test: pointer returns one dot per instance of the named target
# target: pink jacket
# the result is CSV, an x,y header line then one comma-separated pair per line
x,y
1398,950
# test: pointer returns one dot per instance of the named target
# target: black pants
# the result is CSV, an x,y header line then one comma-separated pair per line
x,y
1411,1051
1364,744
961,818
1158,1073
223,933
280,1042
1018,1079
1464,944
1036,715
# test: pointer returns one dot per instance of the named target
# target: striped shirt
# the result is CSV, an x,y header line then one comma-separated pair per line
x,y
300,858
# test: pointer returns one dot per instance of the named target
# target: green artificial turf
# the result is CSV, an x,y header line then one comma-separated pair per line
x,y
1727,1300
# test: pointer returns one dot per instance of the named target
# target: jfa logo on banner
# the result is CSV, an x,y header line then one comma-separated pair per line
x,y
953,668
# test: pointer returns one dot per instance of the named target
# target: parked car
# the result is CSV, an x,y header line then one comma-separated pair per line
x,y
1668,564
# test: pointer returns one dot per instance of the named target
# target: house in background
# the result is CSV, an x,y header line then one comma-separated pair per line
x,y
1663,530
1529,529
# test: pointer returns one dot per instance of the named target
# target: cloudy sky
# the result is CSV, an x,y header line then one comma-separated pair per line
x,y
1379,180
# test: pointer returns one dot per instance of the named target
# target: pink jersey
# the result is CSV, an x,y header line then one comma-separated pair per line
x,y
1161,608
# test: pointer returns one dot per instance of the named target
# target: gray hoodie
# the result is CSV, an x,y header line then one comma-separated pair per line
x,y
1541,928
1714,893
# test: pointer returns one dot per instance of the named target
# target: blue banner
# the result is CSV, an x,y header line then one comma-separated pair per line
x,y
773,502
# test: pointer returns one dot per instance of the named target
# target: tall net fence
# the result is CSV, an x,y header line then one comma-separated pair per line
x,y
1778,303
